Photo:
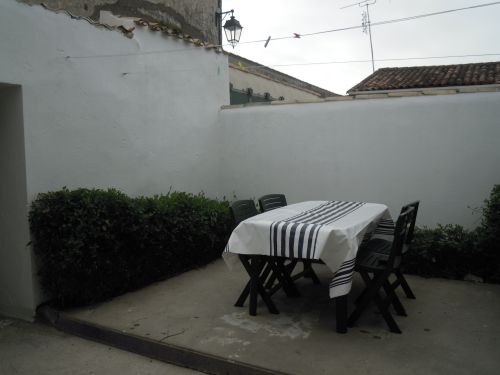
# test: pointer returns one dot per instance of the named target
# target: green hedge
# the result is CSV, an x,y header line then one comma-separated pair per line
x,y
93,244
451,251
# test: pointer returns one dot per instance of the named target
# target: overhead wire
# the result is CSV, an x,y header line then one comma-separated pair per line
x,y
251,68
369,61
379,23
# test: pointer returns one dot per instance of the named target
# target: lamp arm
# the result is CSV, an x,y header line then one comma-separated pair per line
x,y
223,15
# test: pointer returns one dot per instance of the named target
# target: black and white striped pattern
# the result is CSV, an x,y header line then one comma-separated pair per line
x,y
327,230
385,226
342,279
297,236
344,274
341,282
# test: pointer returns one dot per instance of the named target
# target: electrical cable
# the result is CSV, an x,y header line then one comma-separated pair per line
x,y
386,22
379,23
366,61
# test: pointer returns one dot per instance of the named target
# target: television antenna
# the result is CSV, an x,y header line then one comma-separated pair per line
x,y
365,22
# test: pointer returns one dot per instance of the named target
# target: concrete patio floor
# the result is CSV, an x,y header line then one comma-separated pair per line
x,y
452,326
36,349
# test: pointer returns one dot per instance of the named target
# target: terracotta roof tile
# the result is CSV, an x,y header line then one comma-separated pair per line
x,y
153,26
487,73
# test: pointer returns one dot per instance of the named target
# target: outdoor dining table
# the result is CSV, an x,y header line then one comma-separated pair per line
x,y
327,231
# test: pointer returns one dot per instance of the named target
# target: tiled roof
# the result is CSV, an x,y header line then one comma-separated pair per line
x,y
250,66
430,76
127,30
175,33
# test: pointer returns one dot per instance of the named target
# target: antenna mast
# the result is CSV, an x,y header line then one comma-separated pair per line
x,y
366,22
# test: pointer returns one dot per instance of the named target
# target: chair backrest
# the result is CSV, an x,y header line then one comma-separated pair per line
x,y
401,231
242,210
271,201
411,229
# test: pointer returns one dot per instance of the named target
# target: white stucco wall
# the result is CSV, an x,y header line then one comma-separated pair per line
x,y
137,121
443,150
142,121
16,284
260,85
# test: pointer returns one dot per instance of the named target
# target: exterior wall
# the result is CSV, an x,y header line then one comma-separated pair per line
x,y
242,80
16,286
116,113
194,17
139,122
443,150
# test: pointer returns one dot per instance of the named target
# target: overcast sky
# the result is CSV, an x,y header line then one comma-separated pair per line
x,y
474,31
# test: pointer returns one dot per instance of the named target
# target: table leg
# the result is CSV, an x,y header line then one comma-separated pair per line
x,y
254,265
341,313
253,293
309,272
279,263
246,291
267,300
243,296
282,273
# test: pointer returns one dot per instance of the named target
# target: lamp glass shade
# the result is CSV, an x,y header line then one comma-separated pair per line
x,y
232,29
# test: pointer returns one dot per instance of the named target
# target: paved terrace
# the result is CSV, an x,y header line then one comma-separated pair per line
x,y
452,327
37,349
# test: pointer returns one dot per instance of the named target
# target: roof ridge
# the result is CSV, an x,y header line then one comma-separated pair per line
x,y
434,66
426,76
314,88
128,32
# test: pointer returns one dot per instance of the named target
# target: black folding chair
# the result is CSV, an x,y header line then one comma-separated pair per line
x,y
384,247
242,210
270,202
259,268
382,265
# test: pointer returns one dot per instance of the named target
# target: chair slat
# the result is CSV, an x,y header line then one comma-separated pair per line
x,y
414,205
242,210
271,202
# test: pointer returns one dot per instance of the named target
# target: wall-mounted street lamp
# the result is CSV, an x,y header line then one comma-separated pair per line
x,y
232,27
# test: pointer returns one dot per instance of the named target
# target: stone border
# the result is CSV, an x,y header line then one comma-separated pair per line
x,y
379,95
169,353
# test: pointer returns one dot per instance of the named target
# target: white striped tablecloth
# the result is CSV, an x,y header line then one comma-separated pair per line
x,y
330,231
